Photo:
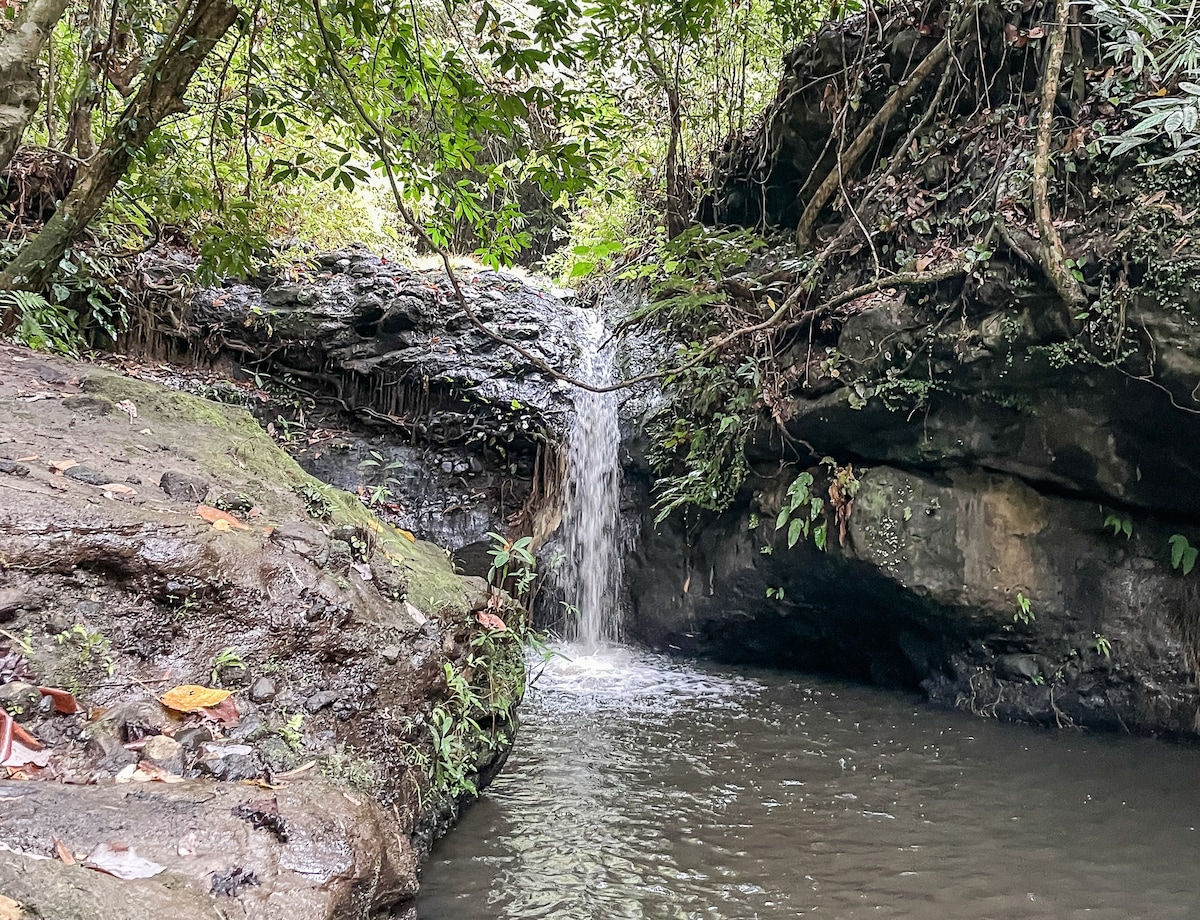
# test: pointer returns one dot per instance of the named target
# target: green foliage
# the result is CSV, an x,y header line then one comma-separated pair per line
x,y
801,511
93,649
227,657
1120,524
512,559
1183,554
1024,612
1102,645
1160,39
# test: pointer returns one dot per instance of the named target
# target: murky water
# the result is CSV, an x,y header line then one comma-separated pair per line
x,y
642,788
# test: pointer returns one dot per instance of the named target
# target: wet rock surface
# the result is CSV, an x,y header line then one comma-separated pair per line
x,y
405,402
118,590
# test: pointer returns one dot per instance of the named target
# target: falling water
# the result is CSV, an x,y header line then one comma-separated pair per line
x,y
591,576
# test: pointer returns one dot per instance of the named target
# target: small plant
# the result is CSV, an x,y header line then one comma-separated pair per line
x,y
350,768
775,593
93,647
1183,554
511,559
316,503
292,732
800,513
1102,645
1120,524
227,657
1024,612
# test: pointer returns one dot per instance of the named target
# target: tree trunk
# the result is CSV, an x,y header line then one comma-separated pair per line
x,y
20,79
160,95
87,93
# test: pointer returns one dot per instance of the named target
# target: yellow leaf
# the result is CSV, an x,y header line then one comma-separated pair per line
x,y
9,909
213,515
221,525
192,698
374,525
404,533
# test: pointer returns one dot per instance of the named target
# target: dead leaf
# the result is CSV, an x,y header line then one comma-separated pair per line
x,y
213,515
61,466
119,488
222,526
18,748
64,702
117,859
192,698
292,774
64,853
128,408
406,534
225,712
9,909
491,621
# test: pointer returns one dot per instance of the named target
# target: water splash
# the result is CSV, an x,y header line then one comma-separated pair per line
x,y
591,574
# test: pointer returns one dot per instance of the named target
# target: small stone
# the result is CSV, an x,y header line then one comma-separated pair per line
x,y
192,737
21,700
88,476
390,653
262,690
12,468
321,699
181,486
250,729
233,501
166,752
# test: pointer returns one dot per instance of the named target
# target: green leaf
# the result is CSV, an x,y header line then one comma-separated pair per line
x,y
794,532
820,535
1179,545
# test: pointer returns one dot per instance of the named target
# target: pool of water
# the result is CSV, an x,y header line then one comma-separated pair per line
x,y
642,787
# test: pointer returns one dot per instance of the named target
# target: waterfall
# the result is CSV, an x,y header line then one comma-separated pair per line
x,y
591,573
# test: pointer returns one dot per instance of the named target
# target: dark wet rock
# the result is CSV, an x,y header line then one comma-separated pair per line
x,y
20,700
278,754
193,736
13,468
321,699
183,487
89,476
262,690
234,502
230,762
250,728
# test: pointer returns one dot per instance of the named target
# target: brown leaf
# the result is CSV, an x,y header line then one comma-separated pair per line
x,y
491,621
225,712
212,515
61,466
64,853
192,698
117,859
64,702
9,909
146,771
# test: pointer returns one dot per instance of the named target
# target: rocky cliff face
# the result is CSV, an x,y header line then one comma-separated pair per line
x,y
1026,474
380,385
150,539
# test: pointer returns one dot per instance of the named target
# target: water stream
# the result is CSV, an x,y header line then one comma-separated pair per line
x,y
645,788
591,574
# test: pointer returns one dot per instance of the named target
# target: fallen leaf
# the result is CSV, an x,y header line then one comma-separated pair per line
x,y
64,702
222,526
64,853
491,621
225,712
213,515
292,774
192,698
122,861
128,408
147,771
9,909
119,488
406,534
61,466
18,748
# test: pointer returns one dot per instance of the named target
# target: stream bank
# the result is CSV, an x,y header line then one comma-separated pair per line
x,y
150,539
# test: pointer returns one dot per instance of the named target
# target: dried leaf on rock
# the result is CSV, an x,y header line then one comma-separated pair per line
x,y
213,515
146,772
491,621
225,712
61,466
64,853
192,698
9,909
64,702
122,861
17,747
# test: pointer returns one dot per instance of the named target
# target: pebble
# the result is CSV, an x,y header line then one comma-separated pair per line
x,y
166,752
262,690
321,699
181,486
88,476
